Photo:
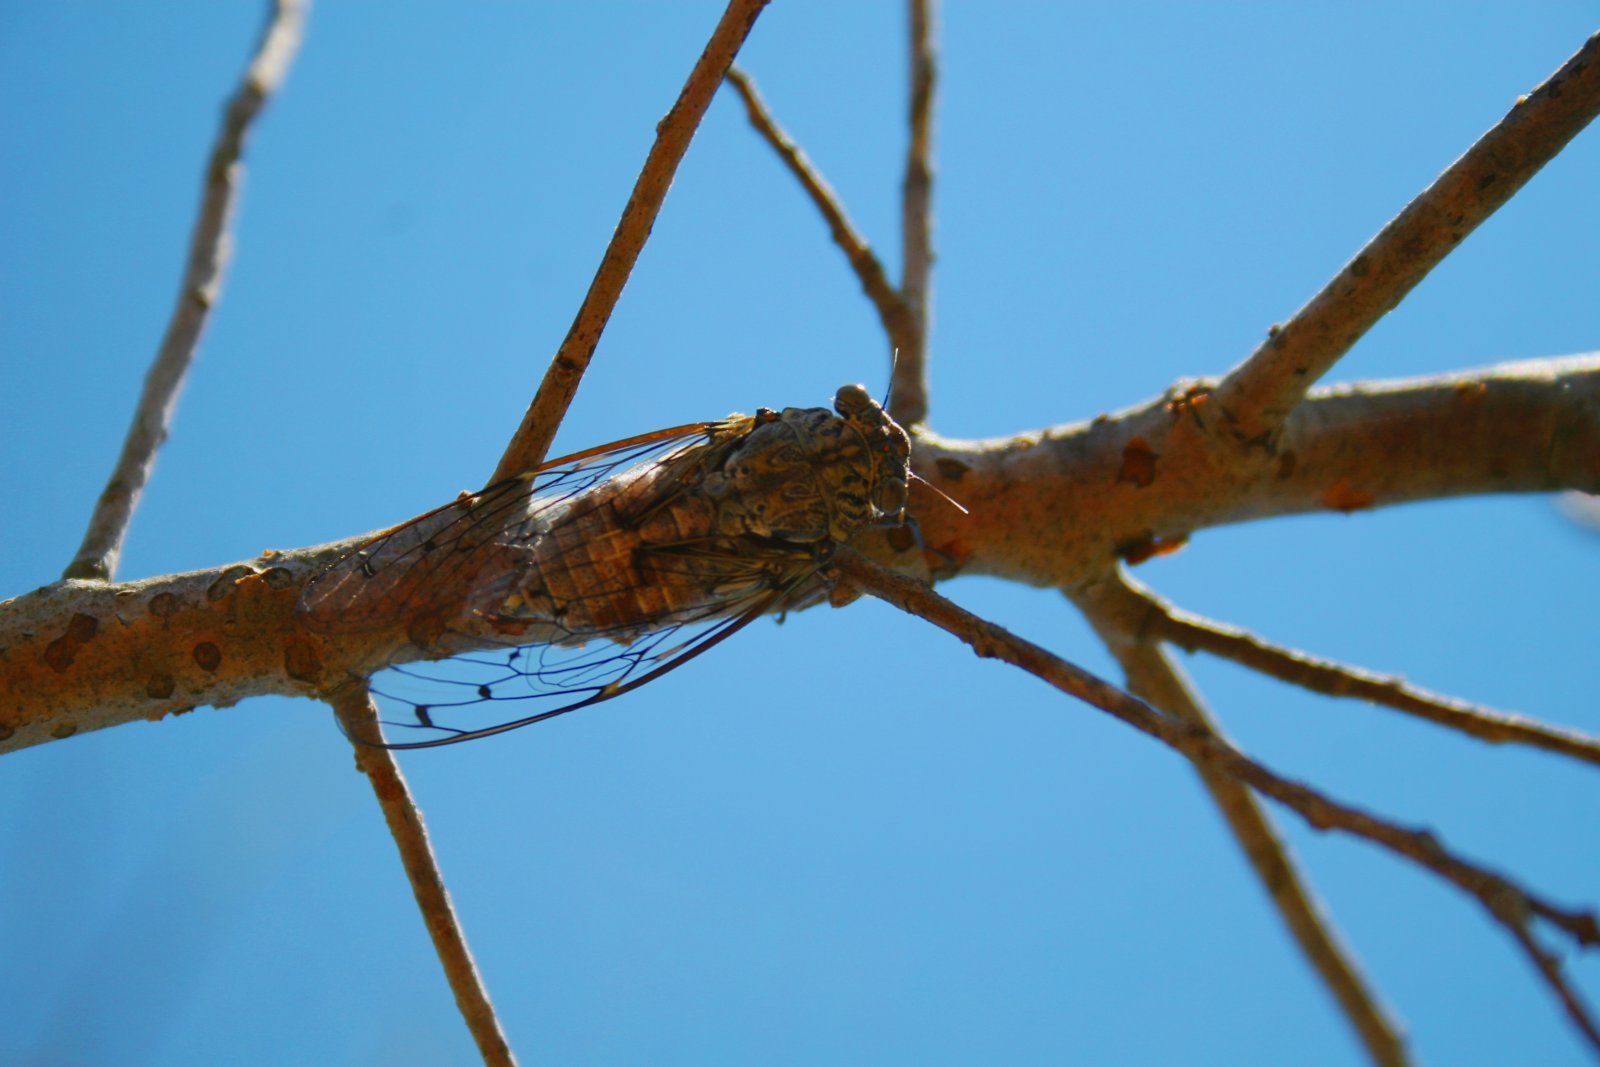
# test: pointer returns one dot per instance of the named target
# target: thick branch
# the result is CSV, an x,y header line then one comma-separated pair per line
x,y
1056,507
1052,509
359,717
1507,903
1258,395
1154,677
209,248
529,444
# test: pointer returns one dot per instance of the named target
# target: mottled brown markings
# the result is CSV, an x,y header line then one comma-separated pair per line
x,y
63,730
953,470
278,578
160,686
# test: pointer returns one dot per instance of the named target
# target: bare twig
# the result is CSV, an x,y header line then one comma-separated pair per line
x,y
909,393
1160,620
1509,904
1155,678
359,717
209,250
529,444
1258,394
898,319
1549,967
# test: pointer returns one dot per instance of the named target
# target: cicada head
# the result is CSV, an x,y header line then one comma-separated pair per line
x,y
810,475
883,465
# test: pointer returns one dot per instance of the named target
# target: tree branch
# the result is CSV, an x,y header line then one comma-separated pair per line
x,y
529,444
359,718
909,390
1154,677
1157,619
209,249
1155,474
899,322
80,655
1508,903
1258,395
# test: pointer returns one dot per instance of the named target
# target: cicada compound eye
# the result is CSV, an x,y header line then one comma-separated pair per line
x,y
889,496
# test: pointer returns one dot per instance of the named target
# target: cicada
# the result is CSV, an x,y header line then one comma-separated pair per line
x,y
600,571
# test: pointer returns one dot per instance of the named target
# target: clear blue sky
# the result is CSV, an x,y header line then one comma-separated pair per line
x,y
841,839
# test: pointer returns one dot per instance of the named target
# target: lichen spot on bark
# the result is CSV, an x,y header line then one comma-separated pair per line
x,y
165,605
208,656
63,651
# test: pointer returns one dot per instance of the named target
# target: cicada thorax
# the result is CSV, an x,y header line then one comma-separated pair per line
x,y
810,475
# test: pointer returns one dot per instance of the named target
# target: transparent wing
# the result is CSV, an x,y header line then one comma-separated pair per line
x,y
434,561
462,698
453,561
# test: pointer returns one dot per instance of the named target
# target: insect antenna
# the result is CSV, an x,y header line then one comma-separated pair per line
x,y
894,365
946,497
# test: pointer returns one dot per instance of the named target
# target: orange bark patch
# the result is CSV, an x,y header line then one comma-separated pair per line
x,y
1190,402
1139,549
1342,496
301,662
1138,463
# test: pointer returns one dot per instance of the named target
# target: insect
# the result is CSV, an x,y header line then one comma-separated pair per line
x,y
600,571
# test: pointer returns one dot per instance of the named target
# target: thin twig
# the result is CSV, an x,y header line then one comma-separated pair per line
x,y
359,717
1194,633
1507,902
1550,970
909,393
529,444
898,319
1258,394
209,249
1155,678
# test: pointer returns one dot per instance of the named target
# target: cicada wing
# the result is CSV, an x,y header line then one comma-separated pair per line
x,y
455,700
434,562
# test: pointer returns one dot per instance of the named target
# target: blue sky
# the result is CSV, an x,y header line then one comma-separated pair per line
x,y
841,839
